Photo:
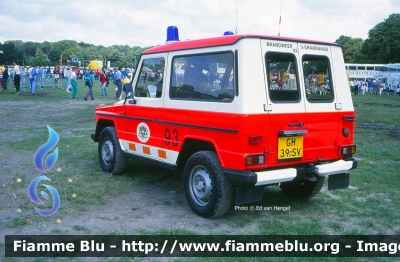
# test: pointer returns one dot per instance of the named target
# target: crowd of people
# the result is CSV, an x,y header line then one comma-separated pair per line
x,y
13,76
372,85
34,76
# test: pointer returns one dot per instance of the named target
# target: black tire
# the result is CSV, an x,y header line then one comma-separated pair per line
x,y
207,191
111,157
304,189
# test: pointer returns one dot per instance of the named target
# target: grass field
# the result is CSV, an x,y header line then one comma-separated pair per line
x,y
150,200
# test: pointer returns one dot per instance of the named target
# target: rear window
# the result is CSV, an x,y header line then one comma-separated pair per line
x,y
205,77
317,78
282,77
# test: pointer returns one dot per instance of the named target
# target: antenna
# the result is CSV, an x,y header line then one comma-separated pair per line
x,y
236,31
280,16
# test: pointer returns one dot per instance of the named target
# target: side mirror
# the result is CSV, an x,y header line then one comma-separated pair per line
x,y
151,91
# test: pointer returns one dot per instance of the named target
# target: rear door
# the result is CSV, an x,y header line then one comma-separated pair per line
x,y
287,119
343,98
320,102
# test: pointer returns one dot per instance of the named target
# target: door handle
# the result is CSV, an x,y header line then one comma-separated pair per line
x,y
349,118
300,124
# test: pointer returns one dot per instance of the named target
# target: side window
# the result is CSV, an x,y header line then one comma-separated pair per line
x,y
317,77
150,81
282,77
207,77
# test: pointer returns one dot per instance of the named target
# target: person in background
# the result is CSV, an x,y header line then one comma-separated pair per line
x,y
22,76
56,78
74,84
364,88
17,77
351,84
126,80
32,72
90,84
375,87
67,75
40,77
370,85
387,88
97,75
127,88
11,75
85,74
110,75
5,79
61,72
103,81
378,86
356,84
48,73
118,80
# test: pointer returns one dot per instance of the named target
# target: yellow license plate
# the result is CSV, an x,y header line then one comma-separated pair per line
x,y
290,148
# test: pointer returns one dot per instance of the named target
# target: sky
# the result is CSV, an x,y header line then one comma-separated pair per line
x,y
143,22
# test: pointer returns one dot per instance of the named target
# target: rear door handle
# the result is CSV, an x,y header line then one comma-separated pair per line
x,y
300,124
349,118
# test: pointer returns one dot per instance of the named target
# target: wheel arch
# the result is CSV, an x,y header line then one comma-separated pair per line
x,y
101,124
191,146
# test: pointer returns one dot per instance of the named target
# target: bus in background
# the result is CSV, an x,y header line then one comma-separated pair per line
x,y
364,71
385,73
391,75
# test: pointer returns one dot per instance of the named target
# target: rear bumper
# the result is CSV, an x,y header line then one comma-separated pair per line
x,y
261,178
334,168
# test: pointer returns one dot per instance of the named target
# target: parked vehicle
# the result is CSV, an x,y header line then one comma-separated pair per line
x,y
218,115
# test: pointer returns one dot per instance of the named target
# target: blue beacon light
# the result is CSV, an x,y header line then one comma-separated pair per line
x,y
172,34
228,33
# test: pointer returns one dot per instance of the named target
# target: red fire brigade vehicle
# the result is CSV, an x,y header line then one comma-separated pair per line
x,y
235,113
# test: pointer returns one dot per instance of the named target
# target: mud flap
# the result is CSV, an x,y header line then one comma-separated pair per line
x,y
338,181
246,195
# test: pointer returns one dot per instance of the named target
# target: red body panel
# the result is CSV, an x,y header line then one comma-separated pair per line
x,y
229,132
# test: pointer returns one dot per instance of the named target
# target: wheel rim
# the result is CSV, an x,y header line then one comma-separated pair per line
x,y
200,185
107,152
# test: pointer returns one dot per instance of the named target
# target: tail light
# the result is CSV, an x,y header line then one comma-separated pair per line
x,y
252,160
349,150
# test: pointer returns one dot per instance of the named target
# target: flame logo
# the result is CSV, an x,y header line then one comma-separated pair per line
x,y
34,197
44,149
38,160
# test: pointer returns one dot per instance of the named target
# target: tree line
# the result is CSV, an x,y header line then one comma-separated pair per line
x,y
381,47
50,54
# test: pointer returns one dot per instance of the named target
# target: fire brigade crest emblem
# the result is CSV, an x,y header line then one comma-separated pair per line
x,y
143,132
